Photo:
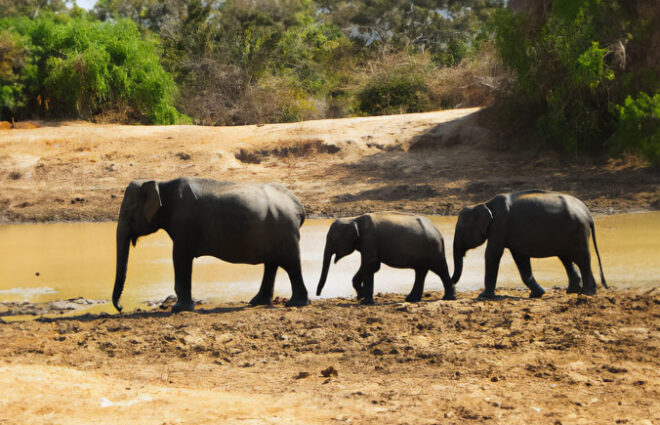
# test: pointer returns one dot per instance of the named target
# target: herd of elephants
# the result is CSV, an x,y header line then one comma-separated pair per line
x,y
260,224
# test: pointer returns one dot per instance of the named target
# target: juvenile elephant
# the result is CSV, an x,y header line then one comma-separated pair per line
x,y
397,239
235,222
532,223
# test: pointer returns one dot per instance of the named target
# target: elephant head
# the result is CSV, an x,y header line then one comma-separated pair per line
x,y
341,241
136,218
471,231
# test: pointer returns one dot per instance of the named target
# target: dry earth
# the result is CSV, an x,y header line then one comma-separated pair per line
x,y
431,163
559,360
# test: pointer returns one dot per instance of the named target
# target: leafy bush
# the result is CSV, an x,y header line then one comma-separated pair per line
x,y
395,92
12,60
574,65
79,68
638,126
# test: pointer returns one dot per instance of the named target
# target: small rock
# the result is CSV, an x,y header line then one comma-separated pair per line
x,y
301,375
329,371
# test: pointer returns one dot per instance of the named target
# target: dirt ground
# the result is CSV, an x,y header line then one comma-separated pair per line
x,y
558,360
432,163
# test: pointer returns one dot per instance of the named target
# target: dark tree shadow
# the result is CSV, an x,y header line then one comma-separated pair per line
x,y
441,167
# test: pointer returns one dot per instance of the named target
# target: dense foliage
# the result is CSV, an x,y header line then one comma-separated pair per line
x,y
61,66
587,74
247,61
584,72
238,61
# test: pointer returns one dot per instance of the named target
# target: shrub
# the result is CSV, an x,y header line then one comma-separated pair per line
x,y
638,127
13,57
81,68
574,64
398,91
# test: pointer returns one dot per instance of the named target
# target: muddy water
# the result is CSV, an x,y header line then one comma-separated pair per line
x,y
43,262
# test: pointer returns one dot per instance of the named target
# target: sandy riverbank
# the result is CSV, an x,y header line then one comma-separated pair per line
x,y
431,163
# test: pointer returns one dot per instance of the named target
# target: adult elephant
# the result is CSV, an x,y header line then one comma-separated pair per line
x,y
399,240
532,223
235,222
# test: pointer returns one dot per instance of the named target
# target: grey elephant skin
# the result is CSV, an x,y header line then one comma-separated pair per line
x,y
397,239
238,223
532,223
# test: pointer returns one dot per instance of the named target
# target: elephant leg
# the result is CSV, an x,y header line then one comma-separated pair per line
x,y
573,276
418,288
493,255
357,282
265,294
368,289
583,262
299,295
443,271
525,269
182,276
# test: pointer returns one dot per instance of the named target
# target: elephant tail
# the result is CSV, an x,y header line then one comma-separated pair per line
x,y
600,264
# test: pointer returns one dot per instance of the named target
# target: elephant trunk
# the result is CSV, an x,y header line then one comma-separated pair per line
x,y
123,246
459,253
327,255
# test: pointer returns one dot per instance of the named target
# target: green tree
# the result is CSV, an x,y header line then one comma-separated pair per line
x,y
80,68
574,65
13,57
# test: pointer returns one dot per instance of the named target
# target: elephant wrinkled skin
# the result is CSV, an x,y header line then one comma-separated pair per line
x,y
235,222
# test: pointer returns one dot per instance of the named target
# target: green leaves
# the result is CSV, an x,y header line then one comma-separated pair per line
x,y
84,67
13,57
638,126
399,91
571,71
591,69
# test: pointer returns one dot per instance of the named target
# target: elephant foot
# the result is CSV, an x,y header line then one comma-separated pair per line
x,y
573,289
414,298
297,302
487,295
260,300
449,296
367,301
537,293
183,306
589,291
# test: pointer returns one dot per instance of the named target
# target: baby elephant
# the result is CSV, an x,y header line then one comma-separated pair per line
x,y
397,239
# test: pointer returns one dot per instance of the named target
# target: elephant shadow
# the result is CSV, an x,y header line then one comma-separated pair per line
x,y
500,298
89,317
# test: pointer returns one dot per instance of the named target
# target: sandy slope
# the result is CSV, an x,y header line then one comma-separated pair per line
x,y
432,163
562,359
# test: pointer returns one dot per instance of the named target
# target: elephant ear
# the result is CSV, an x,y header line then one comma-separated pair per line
x,y
484,218
152,202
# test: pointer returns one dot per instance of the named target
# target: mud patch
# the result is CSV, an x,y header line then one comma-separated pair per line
x,y
27,308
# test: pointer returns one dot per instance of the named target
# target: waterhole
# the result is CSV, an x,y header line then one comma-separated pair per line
x,y
45,262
